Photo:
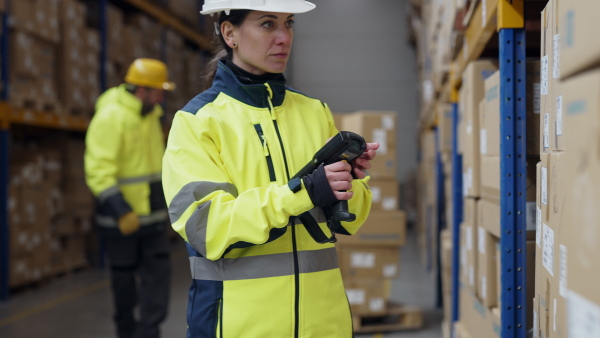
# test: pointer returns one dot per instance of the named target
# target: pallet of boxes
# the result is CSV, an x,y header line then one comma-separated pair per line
x,y
370,259
479,142
567,300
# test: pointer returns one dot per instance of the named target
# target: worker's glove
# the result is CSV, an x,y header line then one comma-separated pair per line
x,y
129,223
318,188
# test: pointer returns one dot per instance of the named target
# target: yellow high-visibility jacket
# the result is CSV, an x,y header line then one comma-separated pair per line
x,y
230,154
123,161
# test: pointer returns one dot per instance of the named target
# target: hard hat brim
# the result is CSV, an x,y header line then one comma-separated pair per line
x,y
276,8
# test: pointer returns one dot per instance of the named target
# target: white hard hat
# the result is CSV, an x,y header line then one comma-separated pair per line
x,y
280,6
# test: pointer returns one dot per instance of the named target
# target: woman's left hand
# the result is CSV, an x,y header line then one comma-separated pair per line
x,y
363,162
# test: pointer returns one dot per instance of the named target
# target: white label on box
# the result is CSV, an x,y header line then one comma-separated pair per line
x,y
387,122
465,184
531,216
562,272
546,130
559,119
556,56
362,260
356,296
481,240
469,234
376,304
471,276
545,185
463,259
389,203
483,287
380,136
583,317
536,324
538,227
548,250
544,75
536,98
554,320
483,13
469,127
375,194
483,141
390,270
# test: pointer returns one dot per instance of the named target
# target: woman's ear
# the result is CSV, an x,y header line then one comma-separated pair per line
x,y
227,32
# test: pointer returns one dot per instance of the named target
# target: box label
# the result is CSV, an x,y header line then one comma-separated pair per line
x,y
548,250
484,287
483,13
362,260
375,194
544,75
538,227
376,304
380,136
481,240
545,185
389,270
583,317
471,276
469,234
536,98
546,130
387,122
389,203
531,216
483,141
463,259
562,272
559,119
356,296
556,56
554,320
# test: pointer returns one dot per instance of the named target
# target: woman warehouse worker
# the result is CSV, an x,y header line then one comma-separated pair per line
x,y
230,156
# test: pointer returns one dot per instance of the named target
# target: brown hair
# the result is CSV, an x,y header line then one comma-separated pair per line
x,y
236,17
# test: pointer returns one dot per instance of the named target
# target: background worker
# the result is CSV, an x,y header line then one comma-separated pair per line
x,y
123,160
230,156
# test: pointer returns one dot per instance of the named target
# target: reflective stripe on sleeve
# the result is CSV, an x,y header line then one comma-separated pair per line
x,y
140,179
264,266
108,193
195,191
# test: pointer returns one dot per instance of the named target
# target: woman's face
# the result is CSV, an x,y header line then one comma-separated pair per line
x,y
262,43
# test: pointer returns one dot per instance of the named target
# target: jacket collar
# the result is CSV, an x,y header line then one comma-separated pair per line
x,y
256,95
133,104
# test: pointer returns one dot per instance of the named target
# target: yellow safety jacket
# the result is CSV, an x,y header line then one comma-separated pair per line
x,y
230,154
123,160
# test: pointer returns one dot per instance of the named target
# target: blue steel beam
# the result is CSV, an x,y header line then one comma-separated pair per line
x,y
457,213
512,183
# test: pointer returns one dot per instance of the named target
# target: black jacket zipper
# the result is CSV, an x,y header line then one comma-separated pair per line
x,y
263,141
294,245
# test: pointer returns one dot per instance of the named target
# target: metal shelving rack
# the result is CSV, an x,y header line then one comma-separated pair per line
x,y
506,17
10,115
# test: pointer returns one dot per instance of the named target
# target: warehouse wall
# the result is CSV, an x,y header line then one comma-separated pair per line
x,y
354,55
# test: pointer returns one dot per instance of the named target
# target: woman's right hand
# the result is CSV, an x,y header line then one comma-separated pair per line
x,y
340,179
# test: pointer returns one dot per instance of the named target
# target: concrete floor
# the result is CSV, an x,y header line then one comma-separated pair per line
x,y
79,305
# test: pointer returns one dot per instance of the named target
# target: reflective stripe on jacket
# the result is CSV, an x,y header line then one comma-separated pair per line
x,y
230,154
123,160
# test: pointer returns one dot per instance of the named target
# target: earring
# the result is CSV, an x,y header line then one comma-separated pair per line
x,y
235,44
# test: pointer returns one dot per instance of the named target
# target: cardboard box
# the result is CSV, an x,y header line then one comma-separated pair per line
x,y
577,52
369,261
374,126
487,288
366,295
385,194
380,228
471,94
478,320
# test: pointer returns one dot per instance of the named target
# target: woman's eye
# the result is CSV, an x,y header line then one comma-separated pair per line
x,y
268,24
289,24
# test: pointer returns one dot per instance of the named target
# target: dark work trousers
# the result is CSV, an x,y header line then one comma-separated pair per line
x,y
140,276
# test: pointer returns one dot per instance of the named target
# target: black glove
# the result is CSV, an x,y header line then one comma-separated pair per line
x,y
318,188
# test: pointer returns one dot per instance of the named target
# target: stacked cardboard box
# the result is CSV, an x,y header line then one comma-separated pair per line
x,y
371,258
566,299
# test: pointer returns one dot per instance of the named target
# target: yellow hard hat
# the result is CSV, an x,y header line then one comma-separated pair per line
x,y
149,73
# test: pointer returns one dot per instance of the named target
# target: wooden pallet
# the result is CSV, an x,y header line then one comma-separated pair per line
x,y
397,318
